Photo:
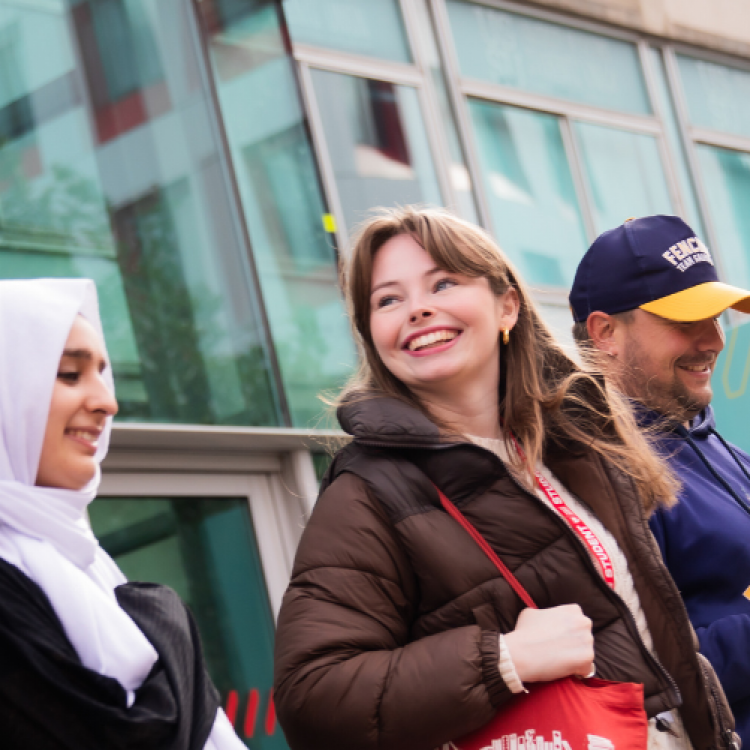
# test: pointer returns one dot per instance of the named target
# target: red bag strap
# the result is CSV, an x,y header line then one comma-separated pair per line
x,y
597,550
482,542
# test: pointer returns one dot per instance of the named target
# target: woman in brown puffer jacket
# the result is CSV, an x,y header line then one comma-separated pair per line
x,y
397,633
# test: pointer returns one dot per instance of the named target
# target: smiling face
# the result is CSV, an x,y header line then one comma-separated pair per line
x,y
436,331
668,365
81,403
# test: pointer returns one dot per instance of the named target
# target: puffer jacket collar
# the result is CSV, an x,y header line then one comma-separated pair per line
x,y
380,421
384,424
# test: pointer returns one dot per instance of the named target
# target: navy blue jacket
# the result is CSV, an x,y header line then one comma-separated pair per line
x,y
705,541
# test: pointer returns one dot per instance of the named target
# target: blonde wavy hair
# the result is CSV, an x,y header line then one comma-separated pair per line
x,y
544,396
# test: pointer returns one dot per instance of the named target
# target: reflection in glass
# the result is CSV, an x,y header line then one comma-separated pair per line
x,y
282,201
530,191
726,176
377,143
718,97
546,58
362,27
109,168
205,549
625,174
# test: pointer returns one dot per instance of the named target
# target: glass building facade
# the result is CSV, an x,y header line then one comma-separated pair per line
x,y
206,163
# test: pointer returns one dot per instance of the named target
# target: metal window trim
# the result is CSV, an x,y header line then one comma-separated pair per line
x,y
430,107
667,156
720,138
577,23
648,124
436,144
463,119
325,163
216,438
674,83
580,178
407,18
672,183
713,56
357,65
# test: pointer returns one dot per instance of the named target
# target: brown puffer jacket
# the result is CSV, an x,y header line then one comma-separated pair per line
x,y
387,637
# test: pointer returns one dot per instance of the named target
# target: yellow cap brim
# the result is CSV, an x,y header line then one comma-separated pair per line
x,y
700,302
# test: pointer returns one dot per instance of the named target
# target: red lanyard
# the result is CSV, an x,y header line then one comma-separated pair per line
x,y
577,524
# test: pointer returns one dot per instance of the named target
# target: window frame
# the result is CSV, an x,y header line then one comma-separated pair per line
x,y
271,467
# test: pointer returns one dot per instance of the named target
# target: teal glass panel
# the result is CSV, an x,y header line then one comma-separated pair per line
x,y
676,145
718,97
726,179
731,400
205,549
545,58
530,191
362,27
281,197
377,143
625,174
110,168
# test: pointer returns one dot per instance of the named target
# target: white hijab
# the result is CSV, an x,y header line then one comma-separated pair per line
x,y
44,531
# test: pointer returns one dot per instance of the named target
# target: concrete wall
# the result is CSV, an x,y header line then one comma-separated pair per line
x,y
722,25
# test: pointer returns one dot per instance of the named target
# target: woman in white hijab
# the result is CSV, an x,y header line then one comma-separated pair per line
x,y
87,660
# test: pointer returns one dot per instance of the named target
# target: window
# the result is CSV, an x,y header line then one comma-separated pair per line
x,y
290,229
381,114
533,55
137,203
717,109
374,132
563,133
530,190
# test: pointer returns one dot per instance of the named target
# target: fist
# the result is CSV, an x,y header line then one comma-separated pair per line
x,y
547,644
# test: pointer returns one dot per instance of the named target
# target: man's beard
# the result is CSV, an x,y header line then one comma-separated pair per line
x,y
670,397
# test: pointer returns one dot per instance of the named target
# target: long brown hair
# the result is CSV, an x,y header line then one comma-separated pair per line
x,y
543,394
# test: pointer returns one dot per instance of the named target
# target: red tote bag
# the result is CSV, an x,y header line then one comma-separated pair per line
x,y
567,714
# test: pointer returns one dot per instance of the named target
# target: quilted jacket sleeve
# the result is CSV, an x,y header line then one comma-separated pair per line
x,y
347,674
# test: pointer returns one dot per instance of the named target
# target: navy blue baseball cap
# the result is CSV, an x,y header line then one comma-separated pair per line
x,y
657,264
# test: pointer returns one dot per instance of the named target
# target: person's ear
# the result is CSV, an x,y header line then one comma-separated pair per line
x,y
509,305
603,332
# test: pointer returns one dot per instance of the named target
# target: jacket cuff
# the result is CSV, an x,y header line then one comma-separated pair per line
x,y
496,688
508,669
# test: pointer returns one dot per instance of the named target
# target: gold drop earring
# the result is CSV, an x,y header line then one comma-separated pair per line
x,y
506,336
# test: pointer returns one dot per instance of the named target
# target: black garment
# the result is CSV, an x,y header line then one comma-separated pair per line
x,y
50,701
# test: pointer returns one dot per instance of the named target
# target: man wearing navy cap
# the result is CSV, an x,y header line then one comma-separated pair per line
x,y
646,296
